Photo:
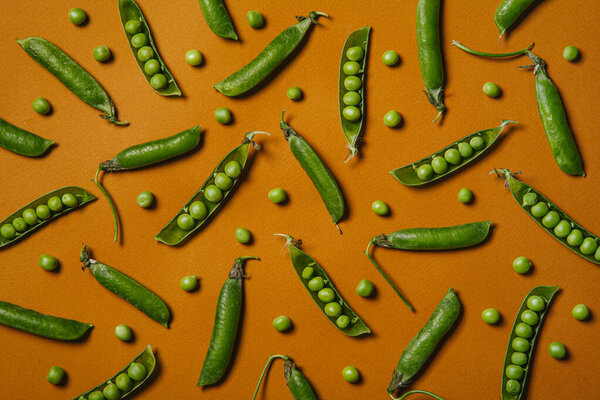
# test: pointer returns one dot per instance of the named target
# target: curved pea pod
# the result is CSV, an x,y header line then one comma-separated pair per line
x,y
126,288
83,197
547,294
508,12
225,328
352,129
218,19
407,174
22,142
172,234
301,260
269,59
422,347
70,74
40,324
128,11
146,358
297,383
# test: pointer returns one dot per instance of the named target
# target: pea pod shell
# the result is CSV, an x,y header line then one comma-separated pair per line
x,y
547,293
40,324
83,196
508,12
407,174
22,142
146,358
299,386
423,345
218,19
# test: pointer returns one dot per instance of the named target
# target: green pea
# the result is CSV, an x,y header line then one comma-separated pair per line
x,y
342,321
145,199
185,222
425,172
529,199
223,115
277,195
575,238
563,229
101,53
111,392
477,142
316,284
243,235
47,262
452,156
213,194
588,246
222,181
551,219
465,149
43,211
145,53
55,375
158,81
355,53
350,374
365,288
390,58
379,207
96,395
233,169
69,200
530,317
307,273
521,345
557,350
19,224
151,67
523,330
351,113
198,210
540,209
132,27
193,57
77,16
491,89
513,387
333,309
139,40
55,204
580,312
326,295
282,323
124,382
439,165
518,358
570,53
8,231
514,372
351,68
255,19
188,283
352,83
490,316
123,332
136,371
41,105
597,254
30,216
294,93
392,118
465,196
536,303
352,98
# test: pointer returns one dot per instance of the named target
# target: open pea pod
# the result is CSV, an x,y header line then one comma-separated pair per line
x,y
408,174
146,358
129,11
173,234
83,197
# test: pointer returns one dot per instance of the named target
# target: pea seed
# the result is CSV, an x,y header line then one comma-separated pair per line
x,y
307,273
352,98
540,209
243,235
55,375
132,27
47,262
465,149
518,358
465,196
19,224
198,210
477,143
282,323
223,115
439,165
294,93
342,321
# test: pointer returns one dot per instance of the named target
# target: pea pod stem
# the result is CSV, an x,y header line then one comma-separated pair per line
x,y
493,55
405,395
264,371
110,203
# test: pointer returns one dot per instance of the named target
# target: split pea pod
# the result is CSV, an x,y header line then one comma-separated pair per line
x,y
430,54
422,347
299,386
508,12
70,74
126,288
218,19
269,59
317,171
225,328
22,142
40,324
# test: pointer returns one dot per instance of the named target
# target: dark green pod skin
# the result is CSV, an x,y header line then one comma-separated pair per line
x,y
83,197
218,19
422,346
317,171
22,142
508,12
70,74
129,10
547,293
144,154
270,58
146,358
41,324
127,288
430,54
299,386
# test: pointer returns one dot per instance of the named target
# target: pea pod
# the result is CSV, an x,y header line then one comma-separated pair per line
x,y
509,391
82,195
527,197
299,386
70,74
352,129
173,234
300,261
126,288
408,174
218,19
146,358
269,59
22,142
41,324
422,347
508,12
225,328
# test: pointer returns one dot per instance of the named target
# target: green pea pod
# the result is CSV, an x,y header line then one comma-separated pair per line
x,y
520,190
146,358
71,74
225,328
508,12
82,195
130,11
422,347
41,324
269,59
297,383
301,260
126,288
352,129
547,294
173,234
317,171
408,173
22,142
218,19
430,54
417,391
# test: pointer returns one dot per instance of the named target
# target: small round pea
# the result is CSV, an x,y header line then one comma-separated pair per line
x,y
47,262
123,332
536,303
139,40
575,238
425,172
513,387
8,231
189,282
41,105
326,295
30,216
540,209
277,195
452,156
570,53
390,58
521,345
529,199
588,246
198,210
223,115
69,200
563,229
342,321
352,83
523,330
158,81
518,358
111,392
465,149
43,211
514,372
351,113
132,27
530,317
477,143
96,395
151,67
490,316
193,57
332,309
355,53
124,382
137,371
55,375
351,68
101,53
222,181
243,235
55,204
213,194
379,207
580,312
145,53
551,219
352,98
557,350
465,195
521,265
255,19
597,254
392,118
350,374
307,273
439,165
233,169
19,224
185,222
491,89
294,93
365,288
77,16
316,284
145,199
282,323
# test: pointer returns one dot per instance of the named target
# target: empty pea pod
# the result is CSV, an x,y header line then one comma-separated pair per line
x,y
225,328
131,13
467,149
508,12
71,74
269,59
138,372
126,288
218,19
351,325
299,386
199,210
22,142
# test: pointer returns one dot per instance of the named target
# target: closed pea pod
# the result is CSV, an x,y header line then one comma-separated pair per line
x,y
508,12
297,383
218,19
22,142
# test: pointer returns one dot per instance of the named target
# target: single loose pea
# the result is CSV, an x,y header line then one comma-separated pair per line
x,y
392,118
588,246
513,387
158,81
213,194
19,224
145,53
452,156
282,323
145,199
136,371
41,105
30,216
8,231
575,238
243,235
490,316
111,392
326,295
222,181
255,19
491,89
477,143
350,374
580,312
101,53
307,273
521,265
563,229
96,395
223,115
55,375
124,382
529,199
185,222
193,57
47,262
43,211
514,372
355,53
132,27
465,195
277,195
316,284
390,58
523,330
536,303
189,282
352,98
233,169
557,350
77,16
439,165
425,172
551,219
294,93
151,67
521,345
69,200
465,149
365,288
351,113
530,317
333,309
198,210
352,83
342,321
540,209
570,53
518,358
351,68
55,204
379,207
139,40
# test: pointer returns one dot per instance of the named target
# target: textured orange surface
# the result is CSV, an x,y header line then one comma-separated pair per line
x,y
468,366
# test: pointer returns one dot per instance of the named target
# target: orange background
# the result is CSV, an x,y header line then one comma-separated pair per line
x,y
469,364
